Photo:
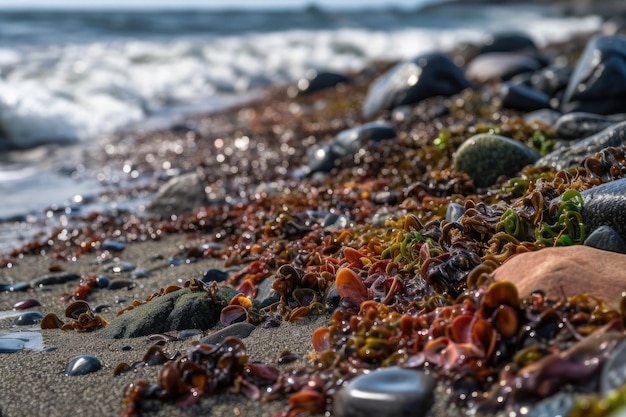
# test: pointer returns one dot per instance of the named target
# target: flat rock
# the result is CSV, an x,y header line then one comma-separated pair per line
x,y
567,270
179,195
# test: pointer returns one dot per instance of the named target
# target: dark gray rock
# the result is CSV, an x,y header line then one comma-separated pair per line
x,y
572,155
613,374
180,194
560,404
427,75
500,66
82,365
606,238
507,42
316,81
485,157
352,140
240,330
546,116
454,212
178,310
598,83
581,125
605,205
388,392
551,80
523,97
28,318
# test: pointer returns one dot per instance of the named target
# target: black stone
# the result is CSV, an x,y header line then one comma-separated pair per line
x,y
551,80
102,281
573,155
27,319
53,279
16,286
598,83
605,205
352,140
82,365
500,66
388,392
581,125
606,238
240,330
316,81
507,42
214,274
523,97
113,245
408,82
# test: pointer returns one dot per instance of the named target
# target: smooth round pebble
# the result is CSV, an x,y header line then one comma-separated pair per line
x,y
9,345
454,212
240,330
113,245
606,238
28,318
214,274
82,365
102,281
605,205
26,304
389,392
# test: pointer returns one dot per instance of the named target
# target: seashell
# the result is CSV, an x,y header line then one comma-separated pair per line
x,y
305,296
82,365
349,285
307,400
506,321
233,314
321,339
77,308
501,292
51,321
264,371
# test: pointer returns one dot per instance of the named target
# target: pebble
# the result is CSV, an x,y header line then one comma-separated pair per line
x,y
560,404
121,284
500,66
605,205
28,318
408,82
613,373
240,330
352,140
214,274
598,83
551,80
316,81
118,266
11,345
574,154
82,365
507,42
454,212
581,125
26,304
113,245
187,333
16,286
485,157
606,238
139,273
179,195
54,279
523,97
388,392
102,281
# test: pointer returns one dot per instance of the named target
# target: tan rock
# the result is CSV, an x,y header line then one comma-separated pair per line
x,y
568,271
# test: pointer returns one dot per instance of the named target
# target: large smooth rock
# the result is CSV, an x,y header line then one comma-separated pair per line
x,y
523,97
598,83
315,81
178,310
581,125
569,271
573,155
507,42
388,392
485,157
427,75
500,66
179,195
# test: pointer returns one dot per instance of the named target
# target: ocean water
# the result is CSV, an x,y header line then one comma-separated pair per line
x,y
68,78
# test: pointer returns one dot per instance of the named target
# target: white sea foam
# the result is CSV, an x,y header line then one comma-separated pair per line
x,y
78,91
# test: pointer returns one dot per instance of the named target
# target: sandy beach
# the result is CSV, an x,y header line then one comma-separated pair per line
x,y
32,381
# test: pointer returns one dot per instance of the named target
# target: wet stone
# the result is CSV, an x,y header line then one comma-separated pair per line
x,y
11,345
573,155
507,42
139,273
27,319
54,279
557,405
118,266
214,274
82,365
119,284
606,238
551,80
240,330
113,245
613,373
454,212
179,195
598,83
408,82
605,205
523,97
102,281
500,66
388,392
187,333
351,140
485,157
178,310
581,125
16,286
316,81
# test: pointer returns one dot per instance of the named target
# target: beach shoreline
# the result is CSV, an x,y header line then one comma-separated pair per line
x,y
279,129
